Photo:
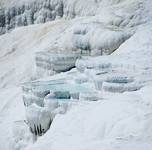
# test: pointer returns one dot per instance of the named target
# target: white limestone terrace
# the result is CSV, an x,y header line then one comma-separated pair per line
x,y
123,118
118,121
112,24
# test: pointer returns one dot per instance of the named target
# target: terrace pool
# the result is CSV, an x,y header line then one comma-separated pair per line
x,y
40,88
60,87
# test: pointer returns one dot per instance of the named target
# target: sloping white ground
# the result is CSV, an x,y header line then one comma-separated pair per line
x,y
137,50
17,50
11,110
119,121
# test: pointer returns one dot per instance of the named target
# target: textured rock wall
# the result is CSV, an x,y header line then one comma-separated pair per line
x,y
29,13
14,13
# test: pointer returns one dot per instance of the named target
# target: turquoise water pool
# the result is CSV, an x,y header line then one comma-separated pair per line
x,y
61,87
56,85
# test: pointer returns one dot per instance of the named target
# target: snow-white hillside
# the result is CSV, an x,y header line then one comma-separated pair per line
x,y
107,28
120,123
122,28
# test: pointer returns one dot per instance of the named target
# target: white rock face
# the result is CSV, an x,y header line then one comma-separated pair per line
x,y
83,36
38,119
26,13
55,62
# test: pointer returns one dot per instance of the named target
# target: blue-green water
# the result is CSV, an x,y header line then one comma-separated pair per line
x,y
61,87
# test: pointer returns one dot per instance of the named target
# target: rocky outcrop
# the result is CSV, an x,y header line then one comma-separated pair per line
x,y
49,63
29,13
26,12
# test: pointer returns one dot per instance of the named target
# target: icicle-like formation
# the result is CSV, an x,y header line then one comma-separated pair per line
x,y
38,118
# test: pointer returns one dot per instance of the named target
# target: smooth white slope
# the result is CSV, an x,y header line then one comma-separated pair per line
x,y
11,110
137,50
120,121
84,127
17,50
